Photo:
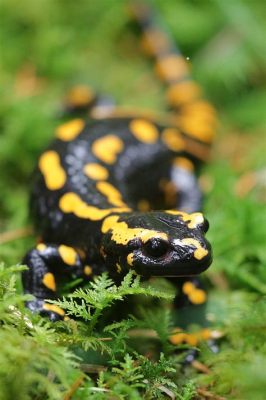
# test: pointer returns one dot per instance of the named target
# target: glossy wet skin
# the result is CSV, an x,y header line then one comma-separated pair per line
x,y
158,243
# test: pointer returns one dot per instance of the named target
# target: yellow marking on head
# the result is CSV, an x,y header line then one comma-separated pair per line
x,y
49,281
112,194
107,148
182,93
200,252
143,205
95,171
70,130
87,270
118,267
193,219
154,41
71,202
80,96
53,308
53,173
197,296
184,163
171,67
188,287
41,247
68,254
172,139
144,131
122,234
130,259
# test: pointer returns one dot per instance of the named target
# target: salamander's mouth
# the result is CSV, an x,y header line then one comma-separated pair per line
x,y
173,265
187,269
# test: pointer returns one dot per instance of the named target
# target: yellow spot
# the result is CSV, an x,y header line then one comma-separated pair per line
x,y
144,131
41,247
172,139
54,308
80,96
112,194
177,338
143,205
87,270
68,254
191,339
107,148
122,234
200,111
184,163
182,92
130,259
66,318
197,296
71,202
188,287
199,107
171,67
95,171
197,128
193,220
183,337
118,267
50,167
175,212
49,281
70,130
200,252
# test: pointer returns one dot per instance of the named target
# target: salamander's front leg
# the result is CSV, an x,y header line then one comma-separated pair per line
x,y
45,262
186,184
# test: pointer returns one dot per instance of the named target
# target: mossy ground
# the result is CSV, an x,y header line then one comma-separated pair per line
x,y
46,47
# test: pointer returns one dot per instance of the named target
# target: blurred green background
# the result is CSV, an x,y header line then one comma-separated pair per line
x,y
49,45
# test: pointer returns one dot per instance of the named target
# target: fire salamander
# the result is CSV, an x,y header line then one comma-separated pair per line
x,y
119,192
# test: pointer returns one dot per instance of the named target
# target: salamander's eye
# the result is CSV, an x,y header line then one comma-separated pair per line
x,y
156,247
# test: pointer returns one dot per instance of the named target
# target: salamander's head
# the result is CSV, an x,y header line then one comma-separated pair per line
x,y
158,243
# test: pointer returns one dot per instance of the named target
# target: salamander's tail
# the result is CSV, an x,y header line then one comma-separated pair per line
x,y
195,117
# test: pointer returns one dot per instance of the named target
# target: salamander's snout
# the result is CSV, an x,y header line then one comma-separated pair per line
x,y
204,226
178,249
